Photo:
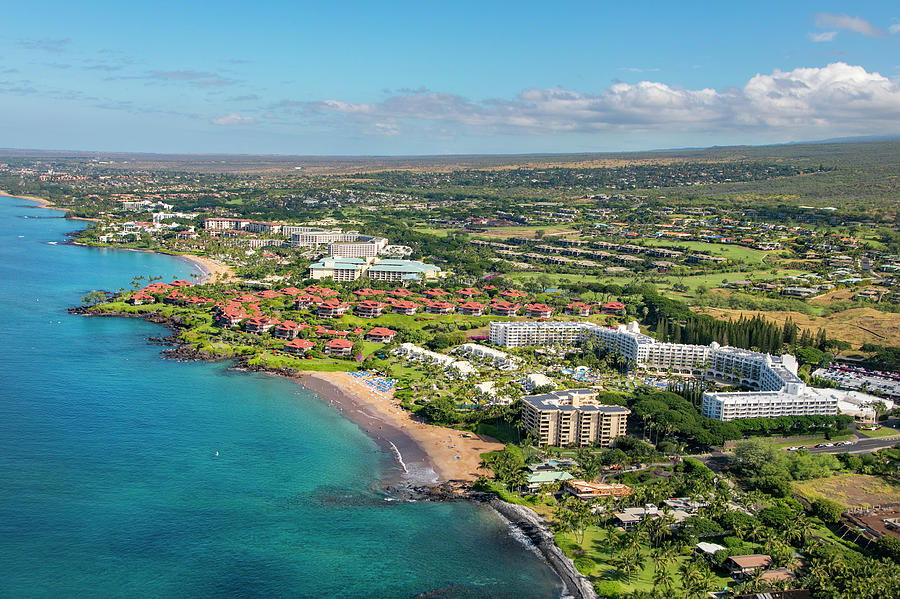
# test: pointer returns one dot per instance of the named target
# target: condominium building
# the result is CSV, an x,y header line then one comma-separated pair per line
x,y
518,334
362,247
769,404
573,417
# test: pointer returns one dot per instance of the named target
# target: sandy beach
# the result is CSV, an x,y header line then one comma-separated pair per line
x,y
428,453
44,203
214,271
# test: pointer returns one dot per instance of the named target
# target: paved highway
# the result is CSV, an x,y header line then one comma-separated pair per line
x,y
861,446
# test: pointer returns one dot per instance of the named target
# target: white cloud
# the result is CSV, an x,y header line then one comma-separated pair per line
x,y
826,20
233,118
838,99
895,28
825,36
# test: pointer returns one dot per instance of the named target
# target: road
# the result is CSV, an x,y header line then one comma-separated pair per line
x,y
861,446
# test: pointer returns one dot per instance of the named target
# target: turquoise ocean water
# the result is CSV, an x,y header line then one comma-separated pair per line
x,y
110,485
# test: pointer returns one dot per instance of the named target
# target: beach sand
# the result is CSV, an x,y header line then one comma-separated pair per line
x,y
214,271
428,453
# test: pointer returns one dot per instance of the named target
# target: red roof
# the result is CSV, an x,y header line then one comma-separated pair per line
x,y
289,325
468,291
262,320
371,304
269,294
614,306
401,292
181,283
367,291
406,305
472,306
381,332
330,332
339,343
580,305
435,292
300,344
291,291
489,287
440,305
323,291
514,293
334,303
501,305
539,308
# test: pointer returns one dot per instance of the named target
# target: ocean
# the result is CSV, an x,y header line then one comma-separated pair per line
x,y
123,474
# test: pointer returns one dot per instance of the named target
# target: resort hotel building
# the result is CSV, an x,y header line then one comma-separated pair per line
x,y
573,417
344,268
776,388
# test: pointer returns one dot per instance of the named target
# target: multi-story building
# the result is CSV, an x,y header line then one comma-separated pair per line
x,y
370,309
776,388
518,334
339,269
402,270
573,417
362,247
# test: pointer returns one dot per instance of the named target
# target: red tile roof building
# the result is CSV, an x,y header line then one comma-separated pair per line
x,y
578,309
369,309
505,308
260,324
538,310
405,307
298,346
472,308
286,330
439,307
332,309
613,308
381,335
338,348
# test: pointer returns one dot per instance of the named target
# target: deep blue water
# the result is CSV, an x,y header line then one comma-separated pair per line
x,y
110,485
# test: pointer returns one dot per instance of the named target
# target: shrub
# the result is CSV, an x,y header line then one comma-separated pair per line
x,y
585,565
826,509
610,589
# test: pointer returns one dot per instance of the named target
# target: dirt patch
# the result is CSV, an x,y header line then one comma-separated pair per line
x,y
856,326
851,490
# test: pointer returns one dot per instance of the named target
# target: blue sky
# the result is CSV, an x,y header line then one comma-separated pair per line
x,y
437,78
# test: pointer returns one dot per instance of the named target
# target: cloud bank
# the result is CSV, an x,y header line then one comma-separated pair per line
x,y
837,99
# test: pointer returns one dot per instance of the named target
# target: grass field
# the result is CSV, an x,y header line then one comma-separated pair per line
x,y
437,232
850,490
732,252
711,280
529,232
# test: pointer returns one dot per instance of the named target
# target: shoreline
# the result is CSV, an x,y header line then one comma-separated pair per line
x,y
441,454
45,203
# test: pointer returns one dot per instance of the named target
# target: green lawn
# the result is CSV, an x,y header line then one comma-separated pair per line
x,y
437,232
596,547
884,431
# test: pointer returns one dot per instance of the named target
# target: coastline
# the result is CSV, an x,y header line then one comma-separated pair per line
x,y
45,203
429,454
214,271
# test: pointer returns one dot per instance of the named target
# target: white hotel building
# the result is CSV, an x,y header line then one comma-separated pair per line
x,y
777,390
